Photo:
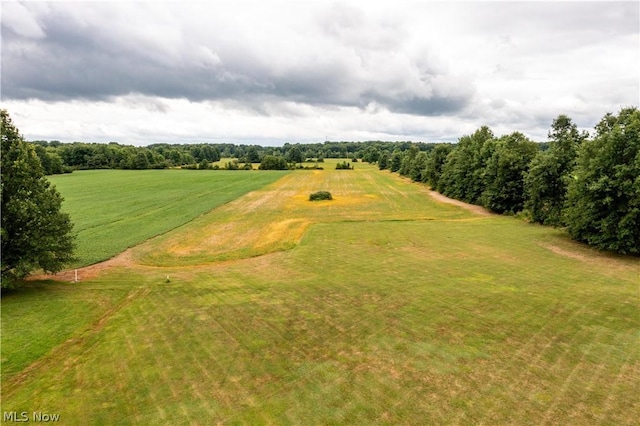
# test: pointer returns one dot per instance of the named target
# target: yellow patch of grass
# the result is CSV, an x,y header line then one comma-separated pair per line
x,y
276,217
288,230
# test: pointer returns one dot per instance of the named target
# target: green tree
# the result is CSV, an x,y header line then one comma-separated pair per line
x,y
505,171
371,154
272,162
252,155
408,159
419,167
383,160
175,157
435,162
462,174
35,233
204,165
549,173
395,162
603,200
294,154
50,160
211,153
140,161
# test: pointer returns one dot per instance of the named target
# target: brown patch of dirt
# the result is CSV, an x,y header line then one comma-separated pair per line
x,y
567,253
124,259
471,207
607,262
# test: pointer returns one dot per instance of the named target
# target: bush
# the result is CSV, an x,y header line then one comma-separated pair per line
x,y
271,162
320,195
343,166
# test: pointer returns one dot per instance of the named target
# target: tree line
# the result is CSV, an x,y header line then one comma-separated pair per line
x,y
57,157
588,185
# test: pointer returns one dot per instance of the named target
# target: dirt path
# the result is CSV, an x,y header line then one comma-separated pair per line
x,y
124,259
471,207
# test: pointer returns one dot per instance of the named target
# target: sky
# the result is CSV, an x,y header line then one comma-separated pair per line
x,y
271,72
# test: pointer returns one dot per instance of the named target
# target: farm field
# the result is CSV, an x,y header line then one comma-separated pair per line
x,y
115,209
383,306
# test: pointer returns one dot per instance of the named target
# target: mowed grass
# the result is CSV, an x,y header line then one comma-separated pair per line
x,y
384,308
113,210
276,216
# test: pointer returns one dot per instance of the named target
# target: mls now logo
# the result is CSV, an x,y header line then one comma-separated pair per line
x,y
23,416
14,416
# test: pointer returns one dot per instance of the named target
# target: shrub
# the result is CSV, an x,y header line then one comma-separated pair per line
x,y
320,195
343,166
271,162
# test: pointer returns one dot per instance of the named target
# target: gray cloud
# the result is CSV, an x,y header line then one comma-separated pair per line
x,y
341,62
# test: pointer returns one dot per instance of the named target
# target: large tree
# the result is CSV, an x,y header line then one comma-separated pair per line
x,y
395,162
294,154
408,160
504,173
603,201
272,162
435,162
462,172
35,233
550,171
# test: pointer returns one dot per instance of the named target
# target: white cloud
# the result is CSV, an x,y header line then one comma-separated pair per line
x,y
18,18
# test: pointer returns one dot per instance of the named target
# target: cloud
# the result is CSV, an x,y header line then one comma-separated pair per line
x,y
301,70
18,19
97,51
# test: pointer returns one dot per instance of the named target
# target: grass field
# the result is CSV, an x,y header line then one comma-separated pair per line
x,y
115,209
380,307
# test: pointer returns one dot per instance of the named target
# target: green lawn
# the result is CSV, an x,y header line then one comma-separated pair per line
x,y
380,307
116,209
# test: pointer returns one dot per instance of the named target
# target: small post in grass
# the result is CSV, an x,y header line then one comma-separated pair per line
x,y
76,277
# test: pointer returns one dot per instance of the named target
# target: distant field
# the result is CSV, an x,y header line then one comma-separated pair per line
x,y
116,209
382,306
